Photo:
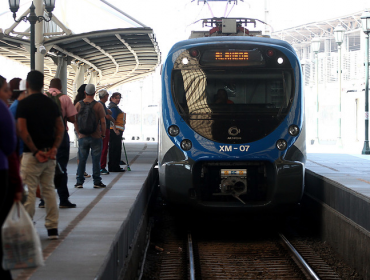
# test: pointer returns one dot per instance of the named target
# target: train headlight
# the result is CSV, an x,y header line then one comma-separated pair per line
x,y
173,130
194,52
280,60
186,144
270,53
281,144
293,130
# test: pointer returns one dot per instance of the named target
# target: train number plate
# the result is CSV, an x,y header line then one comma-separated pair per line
x,y
233,172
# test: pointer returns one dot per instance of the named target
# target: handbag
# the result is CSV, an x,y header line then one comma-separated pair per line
x,y
20,240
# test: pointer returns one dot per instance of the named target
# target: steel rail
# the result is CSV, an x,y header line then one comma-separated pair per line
x,y
300,259
191,257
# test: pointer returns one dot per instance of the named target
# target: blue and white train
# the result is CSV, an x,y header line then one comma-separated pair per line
x,y
231,132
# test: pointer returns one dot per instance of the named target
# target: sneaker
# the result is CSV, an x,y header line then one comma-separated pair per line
x,y
99,185
85,175
67,204
104,171
117,170
122,162
53,234
42,203
78,186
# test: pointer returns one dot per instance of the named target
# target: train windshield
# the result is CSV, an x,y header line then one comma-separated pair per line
x,y
211,101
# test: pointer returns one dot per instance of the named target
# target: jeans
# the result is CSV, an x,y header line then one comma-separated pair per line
x,y
84,146
60,181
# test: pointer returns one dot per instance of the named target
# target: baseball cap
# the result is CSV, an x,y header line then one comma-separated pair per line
x,y
90,89
102,93
22,85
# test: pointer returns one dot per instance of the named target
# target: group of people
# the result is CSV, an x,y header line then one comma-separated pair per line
x,y
35,144
107,132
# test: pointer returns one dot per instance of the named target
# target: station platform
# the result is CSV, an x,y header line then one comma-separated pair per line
x,y
95,238
337,194
89,234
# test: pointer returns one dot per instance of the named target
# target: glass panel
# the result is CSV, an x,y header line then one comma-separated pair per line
x,y
204,92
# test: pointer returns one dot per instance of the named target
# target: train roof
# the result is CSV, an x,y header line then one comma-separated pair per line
x,y
234,39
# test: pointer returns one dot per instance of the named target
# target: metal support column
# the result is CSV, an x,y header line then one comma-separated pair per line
x,y
366,149
317,96
61,72
39,36
339,142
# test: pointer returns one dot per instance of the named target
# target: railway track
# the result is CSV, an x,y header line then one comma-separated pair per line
x,y
227,258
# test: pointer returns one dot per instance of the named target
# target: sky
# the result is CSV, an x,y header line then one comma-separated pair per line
x,y
172,20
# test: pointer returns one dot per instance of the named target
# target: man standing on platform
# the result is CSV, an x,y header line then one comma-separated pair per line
x,y
68,112
41,128
103,96
90,126
115,142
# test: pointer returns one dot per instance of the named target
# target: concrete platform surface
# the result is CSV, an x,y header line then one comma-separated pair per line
x,y
350,170
337,196
86,232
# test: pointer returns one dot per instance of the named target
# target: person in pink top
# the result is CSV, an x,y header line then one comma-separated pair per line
x,y
68,112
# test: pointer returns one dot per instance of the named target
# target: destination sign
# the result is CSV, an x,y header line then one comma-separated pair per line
x,y
232,58
232,55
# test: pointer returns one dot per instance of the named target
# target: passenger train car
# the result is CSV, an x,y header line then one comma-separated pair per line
x,y
232,132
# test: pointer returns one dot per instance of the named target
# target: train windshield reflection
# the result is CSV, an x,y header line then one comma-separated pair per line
x,y
224,91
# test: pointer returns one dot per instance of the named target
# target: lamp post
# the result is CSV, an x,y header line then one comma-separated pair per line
x,y
315,48
32,18
365,20
339,36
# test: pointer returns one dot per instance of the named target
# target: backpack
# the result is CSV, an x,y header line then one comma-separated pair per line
x,y
56,100
86,119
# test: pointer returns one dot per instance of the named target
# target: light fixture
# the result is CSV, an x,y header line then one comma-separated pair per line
x,y
315,44
365,21
339,34
194,53
14,6
49,5
32,18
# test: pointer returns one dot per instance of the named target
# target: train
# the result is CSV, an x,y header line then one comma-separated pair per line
x,y
232,123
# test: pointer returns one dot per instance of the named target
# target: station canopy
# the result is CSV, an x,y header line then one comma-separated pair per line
x,y
108,58
323,29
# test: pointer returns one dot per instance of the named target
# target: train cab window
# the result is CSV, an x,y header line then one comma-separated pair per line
x,y
253,97
200,90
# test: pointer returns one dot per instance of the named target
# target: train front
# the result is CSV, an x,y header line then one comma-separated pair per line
x,y
232,125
